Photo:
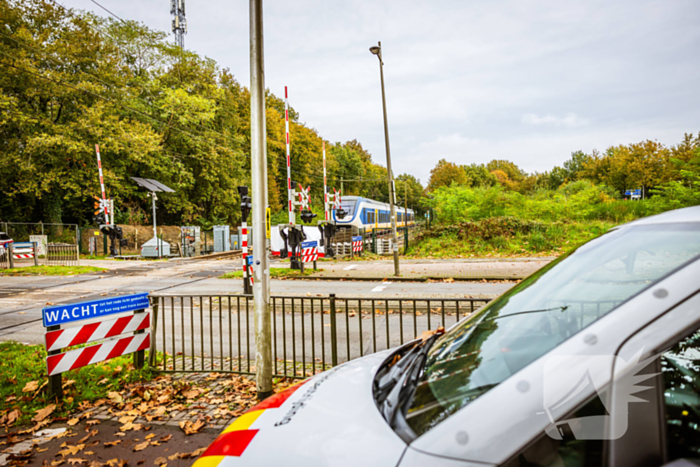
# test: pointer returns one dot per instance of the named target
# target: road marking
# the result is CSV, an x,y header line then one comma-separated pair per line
x,y
380,288
350,267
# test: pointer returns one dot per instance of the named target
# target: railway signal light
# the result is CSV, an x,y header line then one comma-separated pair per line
x,y
307,216
340,213
246,204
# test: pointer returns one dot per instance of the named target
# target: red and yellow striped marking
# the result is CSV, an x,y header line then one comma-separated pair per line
x,y
234,440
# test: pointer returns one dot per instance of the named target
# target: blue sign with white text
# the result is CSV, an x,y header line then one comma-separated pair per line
x,y
250,260
62,314
309,244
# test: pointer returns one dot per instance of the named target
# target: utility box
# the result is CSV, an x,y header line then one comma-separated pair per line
x,y
191,241
155,248
222,238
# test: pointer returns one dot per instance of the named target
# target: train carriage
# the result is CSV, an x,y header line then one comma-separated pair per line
x,y
369,214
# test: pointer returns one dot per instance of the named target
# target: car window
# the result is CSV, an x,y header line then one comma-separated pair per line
x,y
567,451
543,311
680,367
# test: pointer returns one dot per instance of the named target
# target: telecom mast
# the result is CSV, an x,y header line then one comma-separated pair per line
x,y
177,9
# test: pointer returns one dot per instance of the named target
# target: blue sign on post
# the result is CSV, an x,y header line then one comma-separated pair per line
x,y
62,314
309,244
250,260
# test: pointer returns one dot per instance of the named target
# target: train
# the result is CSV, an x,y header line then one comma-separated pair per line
x,y
369,214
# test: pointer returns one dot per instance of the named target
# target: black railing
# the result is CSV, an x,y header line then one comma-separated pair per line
x,y
214,333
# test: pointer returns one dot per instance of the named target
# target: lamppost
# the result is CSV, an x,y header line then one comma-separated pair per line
x,y
377,50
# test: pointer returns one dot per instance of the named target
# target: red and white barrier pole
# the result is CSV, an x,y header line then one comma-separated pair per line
x,y
325,188
290,190
247,274
102,183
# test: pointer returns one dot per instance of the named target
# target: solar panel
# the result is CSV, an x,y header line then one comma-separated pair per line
x,y
151,185
161,186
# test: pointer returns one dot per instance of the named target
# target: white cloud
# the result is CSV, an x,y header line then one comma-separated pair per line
x,y
569,120
467,81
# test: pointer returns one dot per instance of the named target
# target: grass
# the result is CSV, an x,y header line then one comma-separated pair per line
x,y
22,364
551,239
50,270
275,273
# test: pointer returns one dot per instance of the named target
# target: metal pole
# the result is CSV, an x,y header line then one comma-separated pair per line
x,y
389,173
153,197
261,292
325,187
290,190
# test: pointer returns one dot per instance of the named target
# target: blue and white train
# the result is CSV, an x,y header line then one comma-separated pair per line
x,y
369,214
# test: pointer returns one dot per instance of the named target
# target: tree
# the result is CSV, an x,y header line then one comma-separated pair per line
x,y
408,186
478,175
514,173
575,166
445,174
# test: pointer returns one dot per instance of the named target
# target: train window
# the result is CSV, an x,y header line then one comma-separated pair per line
x,y
348,206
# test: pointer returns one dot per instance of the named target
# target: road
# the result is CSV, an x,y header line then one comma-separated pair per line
x,y
22,298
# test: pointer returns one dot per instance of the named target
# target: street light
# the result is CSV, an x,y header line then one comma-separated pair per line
x,y
377,50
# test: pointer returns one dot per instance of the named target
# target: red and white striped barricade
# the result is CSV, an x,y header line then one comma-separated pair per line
x,y
309,251
119,335
23,250
357,245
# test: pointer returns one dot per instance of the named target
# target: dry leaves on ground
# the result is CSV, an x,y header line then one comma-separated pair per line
x,y
141,446
41,414
191,428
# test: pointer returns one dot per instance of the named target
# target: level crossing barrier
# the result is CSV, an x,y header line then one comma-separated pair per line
x,y
215,333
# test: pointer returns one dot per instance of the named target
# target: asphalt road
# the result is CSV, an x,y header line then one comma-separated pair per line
x,y
22,298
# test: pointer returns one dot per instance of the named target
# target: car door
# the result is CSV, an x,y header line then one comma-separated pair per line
x,y
656,391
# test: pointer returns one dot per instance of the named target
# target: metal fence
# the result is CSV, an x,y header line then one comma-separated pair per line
x,y
203,333
62,254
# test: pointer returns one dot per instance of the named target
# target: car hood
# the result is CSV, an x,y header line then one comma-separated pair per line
x,y
329,419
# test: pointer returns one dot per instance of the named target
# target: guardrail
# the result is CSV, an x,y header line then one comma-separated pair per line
x,y
62,254
214,333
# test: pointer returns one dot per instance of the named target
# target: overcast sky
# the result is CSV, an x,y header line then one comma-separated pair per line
x,y
469,81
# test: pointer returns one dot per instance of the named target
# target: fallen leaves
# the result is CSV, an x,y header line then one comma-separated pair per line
x,y
425,335
73,421
41,414
191,428
113,443
160,461
31,386
71,450
115,397
141,446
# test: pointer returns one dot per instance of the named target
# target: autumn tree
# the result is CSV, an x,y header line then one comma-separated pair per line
x,y
445,174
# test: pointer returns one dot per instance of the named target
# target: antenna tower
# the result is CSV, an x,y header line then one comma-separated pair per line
x,y
177,9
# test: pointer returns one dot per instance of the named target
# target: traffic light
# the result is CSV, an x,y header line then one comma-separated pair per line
x,y
99,219
307,216
246,204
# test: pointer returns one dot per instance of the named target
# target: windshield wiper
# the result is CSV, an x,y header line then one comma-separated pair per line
x,y
560,308
404,389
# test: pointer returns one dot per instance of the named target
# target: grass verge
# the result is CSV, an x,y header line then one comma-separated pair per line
x,y
275,273
23,382
545,239
50,270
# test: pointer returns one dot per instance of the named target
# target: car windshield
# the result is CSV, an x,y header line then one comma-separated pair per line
x,y
542,311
